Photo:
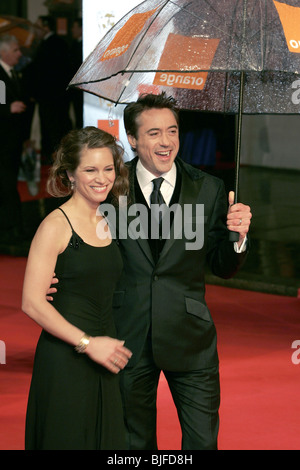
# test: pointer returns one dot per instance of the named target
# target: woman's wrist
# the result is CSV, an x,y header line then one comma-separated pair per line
x,y
83,344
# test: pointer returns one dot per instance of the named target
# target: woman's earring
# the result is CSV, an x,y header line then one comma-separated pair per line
x,y
72,185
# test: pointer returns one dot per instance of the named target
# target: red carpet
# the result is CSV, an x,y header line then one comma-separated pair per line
x,y
260,408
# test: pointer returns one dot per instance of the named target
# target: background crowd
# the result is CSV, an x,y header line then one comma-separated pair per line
x,y
40,82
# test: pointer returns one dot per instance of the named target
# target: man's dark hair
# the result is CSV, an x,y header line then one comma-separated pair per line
x,y
144,103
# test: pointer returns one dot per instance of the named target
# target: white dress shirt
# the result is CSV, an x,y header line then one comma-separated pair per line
x,y
6,67
145,178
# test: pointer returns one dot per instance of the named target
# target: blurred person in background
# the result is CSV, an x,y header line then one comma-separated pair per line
x,y
76,95
50,73
13,130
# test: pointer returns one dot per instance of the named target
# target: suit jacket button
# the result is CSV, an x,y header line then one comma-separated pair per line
x,y
155,278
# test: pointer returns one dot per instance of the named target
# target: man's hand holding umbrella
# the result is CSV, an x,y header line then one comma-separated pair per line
x,y
238,218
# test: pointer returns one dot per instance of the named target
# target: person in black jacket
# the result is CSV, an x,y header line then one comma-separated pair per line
x,y
12,134
50,76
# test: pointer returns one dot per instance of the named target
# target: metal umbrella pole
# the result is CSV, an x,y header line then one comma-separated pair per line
x,y
234,236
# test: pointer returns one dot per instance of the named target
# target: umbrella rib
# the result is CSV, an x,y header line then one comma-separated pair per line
x,y
132,72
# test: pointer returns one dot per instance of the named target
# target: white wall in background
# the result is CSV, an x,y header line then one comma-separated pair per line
x,y
95,26
35,8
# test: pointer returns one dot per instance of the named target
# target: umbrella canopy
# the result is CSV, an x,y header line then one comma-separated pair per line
x,y
196,50
22,29
225,56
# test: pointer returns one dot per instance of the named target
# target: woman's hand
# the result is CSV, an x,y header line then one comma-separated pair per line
x,y
109,352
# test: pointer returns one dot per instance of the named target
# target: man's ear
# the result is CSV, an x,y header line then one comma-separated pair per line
x,y
132,141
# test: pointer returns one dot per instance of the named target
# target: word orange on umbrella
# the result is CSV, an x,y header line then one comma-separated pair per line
x,y
126,35
187,54
290,19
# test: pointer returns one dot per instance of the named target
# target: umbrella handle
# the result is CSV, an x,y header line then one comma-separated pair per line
x,y
234,236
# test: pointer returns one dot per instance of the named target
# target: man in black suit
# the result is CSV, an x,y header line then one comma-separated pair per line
x,y
12,134
50,72
159,305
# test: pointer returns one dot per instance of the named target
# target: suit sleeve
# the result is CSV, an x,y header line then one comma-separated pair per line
x,y
5,110
224,262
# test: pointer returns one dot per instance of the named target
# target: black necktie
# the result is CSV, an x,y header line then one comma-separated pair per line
x,y
157,198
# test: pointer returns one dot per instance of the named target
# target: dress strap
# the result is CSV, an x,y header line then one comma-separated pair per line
x,y
66,218
75,239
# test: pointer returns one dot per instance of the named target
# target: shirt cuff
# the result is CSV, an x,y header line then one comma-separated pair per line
x,y
242,248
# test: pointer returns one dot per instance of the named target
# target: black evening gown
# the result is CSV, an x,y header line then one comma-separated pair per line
x,y
75,403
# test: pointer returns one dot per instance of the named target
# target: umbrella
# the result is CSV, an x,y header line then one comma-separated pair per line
x,y
225,56
25,31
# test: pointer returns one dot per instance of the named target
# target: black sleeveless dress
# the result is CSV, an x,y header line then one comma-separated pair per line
x,y
75,403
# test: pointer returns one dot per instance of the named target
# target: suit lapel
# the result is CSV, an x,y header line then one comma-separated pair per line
x,y
143,241
190,187
15,82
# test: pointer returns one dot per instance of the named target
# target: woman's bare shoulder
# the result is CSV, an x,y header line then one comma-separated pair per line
x,y
54,229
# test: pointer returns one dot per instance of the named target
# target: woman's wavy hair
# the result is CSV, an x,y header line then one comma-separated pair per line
x,y
68,156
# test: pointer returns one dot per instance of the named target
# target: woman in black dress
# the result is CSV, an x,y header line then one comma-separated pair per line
x,y
74,400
